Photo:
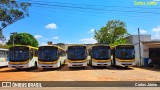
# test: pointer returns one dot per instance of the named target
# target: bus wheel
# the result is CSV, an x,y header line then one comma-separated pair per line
x,y
18,69
60,64
35,65
126,66
90,62
64,62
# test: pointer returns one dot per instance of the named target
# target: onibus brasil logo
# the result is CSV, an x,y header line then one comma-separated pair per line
x,y
146,3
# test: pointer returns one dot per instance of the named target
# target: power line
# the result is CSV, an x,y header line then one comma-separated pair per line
x,y
89,8
94,11
100,14
89,5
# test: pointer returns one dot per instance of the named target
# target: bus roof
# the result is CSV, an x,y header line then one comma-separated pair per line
x,y
51,46
76,45
25,46
125,45
100,45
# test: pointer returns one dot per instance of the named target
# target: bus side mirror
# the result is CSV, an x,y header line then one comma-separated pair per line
x,y
66,51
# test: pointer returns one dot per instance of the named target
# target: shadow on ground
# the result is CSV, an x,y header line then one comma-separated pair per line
x,y
66,68
152,68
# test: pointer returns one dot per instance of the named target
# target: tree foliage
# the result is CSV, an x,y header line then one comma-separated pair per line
x,y
113,33
5,46
10,12
60,43
2,38
23,39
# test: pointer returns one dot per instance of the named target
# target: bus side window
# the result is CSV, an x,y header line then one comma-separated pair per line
x,y
62,53
2,53
31,53
35,52
7,53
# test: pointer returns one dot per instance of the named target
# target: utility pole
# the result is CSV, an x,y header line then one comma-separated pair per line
x,y
139,47
13,37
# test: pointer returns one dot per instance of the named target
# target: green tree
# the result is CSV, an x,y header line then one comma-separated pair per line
x,y
10,12
60,43
2,38
23,39
113,33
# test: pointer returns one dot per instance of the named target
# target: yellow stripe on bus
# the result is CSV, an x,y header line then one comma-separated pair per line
x,y
77,60
95,60
19,62
41,62
127,60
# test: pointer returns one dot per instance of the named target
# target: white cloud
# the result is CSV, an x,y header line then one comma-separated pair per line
x,y
157,32
156,0
38,36
156,29
51,26
3,42
143,31
55,37
68,43
91,31
88,41
42,44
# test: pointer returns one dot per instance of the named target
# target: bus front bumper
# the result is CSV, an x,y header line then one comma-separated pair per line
x,y
18,65
77,64
48,65
127,63
101,63
124,63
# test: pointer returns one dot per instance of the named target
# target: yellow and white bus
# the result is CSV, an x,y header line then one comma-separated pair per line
x,y
22,56
123,55
51,56
100,55
77,56
3,57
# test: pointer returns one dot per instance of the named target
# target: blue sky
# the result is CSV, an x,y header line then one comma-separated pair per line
x,y
59,24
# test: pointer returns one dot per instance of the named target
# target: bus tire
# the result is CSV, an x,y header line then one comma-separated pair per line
x,y
90,62
126,66
18,69
60,64
35,65
64,62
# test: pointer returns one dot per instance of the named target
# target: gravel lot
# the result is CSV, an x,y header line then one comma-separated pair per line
x,y
81,74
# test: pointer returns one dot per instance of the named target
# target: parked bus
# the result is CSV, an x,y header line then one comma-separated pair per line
x,y
22,56
123,55
100,55
3,57
77,56
51,56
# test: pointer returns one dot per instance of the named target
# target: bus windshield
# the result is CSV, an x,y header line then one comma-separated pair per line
x,y
101,52
77,53
48,53
125,53
19,54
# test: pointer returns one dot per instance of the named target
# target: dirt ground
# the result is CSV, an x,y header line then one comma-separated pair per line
x,y
81,74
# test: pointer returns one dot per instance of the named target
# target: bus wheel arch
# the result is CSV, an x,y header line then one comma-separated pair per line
x,y
90,62
18,69
35,64
126,66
